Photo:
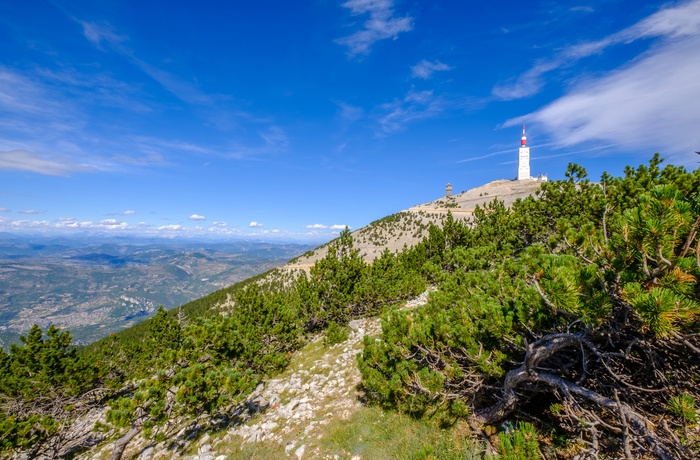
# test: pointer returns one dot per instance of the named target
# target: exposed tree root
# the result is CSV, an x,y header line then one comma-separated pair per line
x,y
627,421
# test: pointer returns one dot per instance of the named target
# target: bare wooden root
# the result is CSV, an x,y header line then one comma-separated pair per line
x,y
618,384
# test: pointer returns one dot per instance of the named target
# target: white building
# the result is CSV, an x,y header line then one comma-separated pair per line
x,y
523,158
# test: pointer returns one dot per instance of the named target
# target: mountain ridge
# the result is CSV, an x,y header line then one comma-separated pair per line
x,y
372,239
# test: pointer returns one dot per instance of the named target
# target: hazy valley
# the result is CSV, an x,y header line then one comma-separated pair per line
x,y
96,286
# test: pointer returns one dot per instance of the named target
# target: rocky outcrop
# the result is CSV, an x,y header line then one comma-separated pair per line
x,y
309,394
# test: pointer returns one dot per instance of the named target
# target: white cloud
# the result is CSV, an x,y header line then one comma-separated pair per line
x,y
23,160
111,224
197,217
31,211
672,23
425,69
322,227
255,224
67,225
381,24
647,105
4,210
219,224
125,213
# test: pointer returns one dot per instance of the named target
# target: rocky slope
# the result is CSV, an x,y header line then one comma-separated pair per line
x,y
288,412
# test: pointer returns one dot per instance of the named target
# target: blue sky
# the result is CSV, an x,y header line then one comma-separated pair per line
x,y
293,119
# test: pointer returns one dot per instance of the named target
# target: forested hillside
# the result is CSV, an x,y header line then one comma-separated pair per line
x,y
568,323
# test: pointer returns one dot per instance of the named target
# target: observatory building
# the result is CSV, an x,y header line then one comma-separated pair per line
x,y
523,158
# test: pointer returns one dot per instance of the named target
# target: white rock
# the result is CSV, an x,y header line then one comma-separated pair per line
x,y
300,451
267,426
205,448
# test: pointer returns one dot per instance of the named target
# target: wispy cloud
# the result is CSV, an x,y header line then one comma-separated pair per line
x,y
527,84
101,34
105,38
415,105
673,23
32,211
267,141
23,96
647,105
382,24
125,213
47,129
425,69
348,114
582,9
255,224
272,140
197,217
23,160
4,210
213,108
483,157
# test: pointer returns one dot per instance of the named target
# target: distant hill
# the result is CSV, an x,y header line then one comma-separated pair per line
x,y
94,287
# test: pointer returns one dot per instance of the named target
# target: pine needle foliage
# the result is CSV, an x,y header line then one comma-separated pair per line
x,y
583,298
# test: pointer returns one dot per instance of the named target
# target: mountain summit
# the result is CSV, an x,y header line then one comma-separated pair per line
x,y
408,227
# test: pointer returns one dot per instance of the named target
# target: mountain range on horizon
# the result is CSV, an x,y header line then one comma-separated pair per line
x,y
97,286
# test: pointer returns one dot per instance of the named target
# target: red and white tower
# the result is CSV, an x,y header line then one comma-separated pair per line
x,y
523,158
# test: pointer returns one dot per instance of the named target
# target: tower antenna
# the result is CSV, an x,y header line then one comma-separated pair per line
x,y
523,158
